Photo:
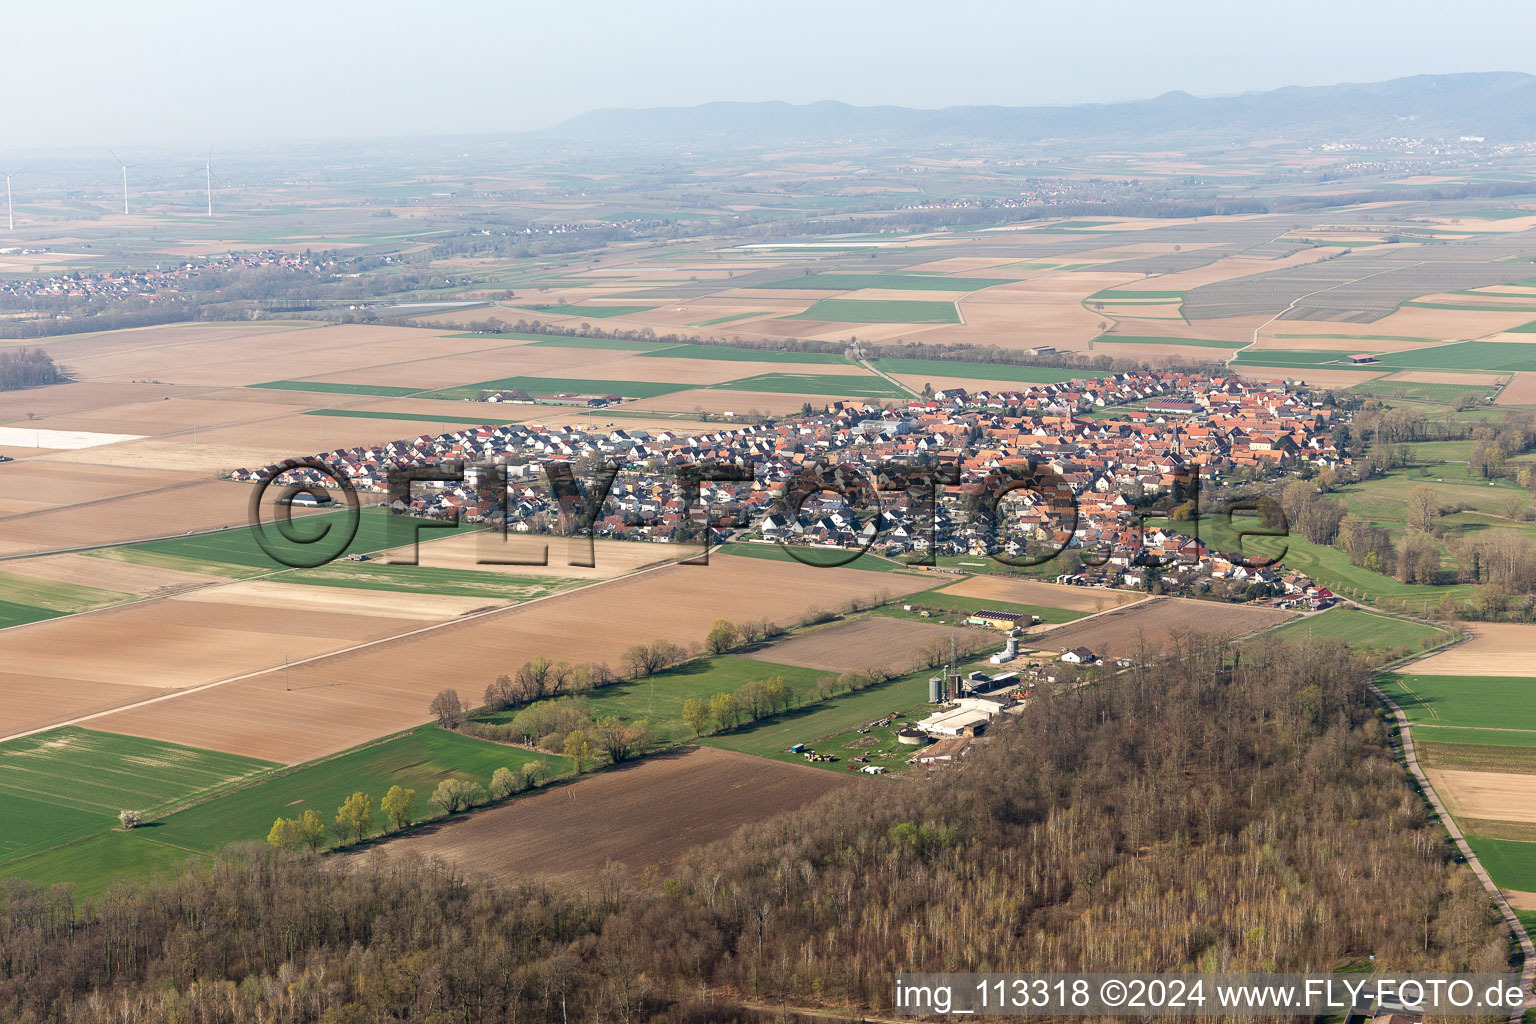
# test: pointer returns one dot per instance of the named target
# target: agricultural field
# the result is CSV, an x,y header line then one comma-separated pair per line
x,y
873,641
595,312
772,737
1126,339
647,813
1122,632
1494,649
327,388
1477,702
780,553
62,785
895,282
721,353
92,865
818,385
941,606
328,704
558,385
1511,864
419,760
1365,631
1487,796
659,699
238,552
880,311
1033,593
1467,355
1420,391
998,372
24,599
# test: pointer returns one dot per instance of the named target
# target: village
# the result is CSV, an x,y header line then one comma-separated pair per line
x,y
1091,477
161,283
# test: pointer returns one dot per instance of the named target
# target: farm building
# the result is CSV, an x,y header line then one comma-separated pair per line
x,y
955,722
1079,656
1000,620
943,752
967,717
1360,357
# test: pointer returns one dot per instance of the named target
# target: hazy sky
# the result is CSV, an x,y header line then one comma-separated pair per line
x,y
158,72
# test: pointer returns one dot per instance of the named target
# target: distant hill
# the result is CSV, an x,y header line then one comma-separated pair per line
x,y
1500,106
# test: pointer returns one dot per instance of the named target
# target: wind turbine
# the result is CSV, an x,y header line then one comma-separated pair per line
x,y
10,212
208,176
125,179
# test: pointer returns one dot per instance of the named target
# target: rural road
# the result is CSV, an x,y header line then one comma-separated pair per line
x,y
886,377
1292,305
1411,758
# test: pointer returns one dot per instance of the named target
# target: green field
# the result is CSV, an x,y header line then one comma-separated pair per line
x,y
880,311
417,579
1127,339
1130,295
1384,499
969,605
728,319
1511,864
1297,358
1434,734
1478,702
236,552
1475,307
607,344
1357,337
659,698
91,865
1364,631
490,419
773,737
986,371
776,552
897,282
1444,394
419,759
24,599
595,312
828,384
729,354
322,387
1529,328
537,386
1493,356
67,783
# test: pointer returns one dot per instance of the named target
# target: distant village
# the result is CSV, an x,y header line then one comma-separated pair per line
x,y
160,283
1167,429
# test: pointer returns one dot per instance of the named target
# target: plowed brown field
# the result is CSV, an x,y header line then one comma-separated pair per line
x,y
650,813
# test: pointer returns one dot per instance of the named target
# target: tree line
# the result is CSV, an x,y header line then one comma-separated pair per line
x,y
1200,811
27,368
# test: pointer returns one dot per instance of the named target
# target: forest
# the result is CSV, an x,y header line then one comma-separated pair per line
x,y
1212,809
27,368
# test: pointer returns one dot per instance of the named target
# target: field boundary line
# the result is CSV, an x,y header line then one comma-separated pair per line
x,y
1511,921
